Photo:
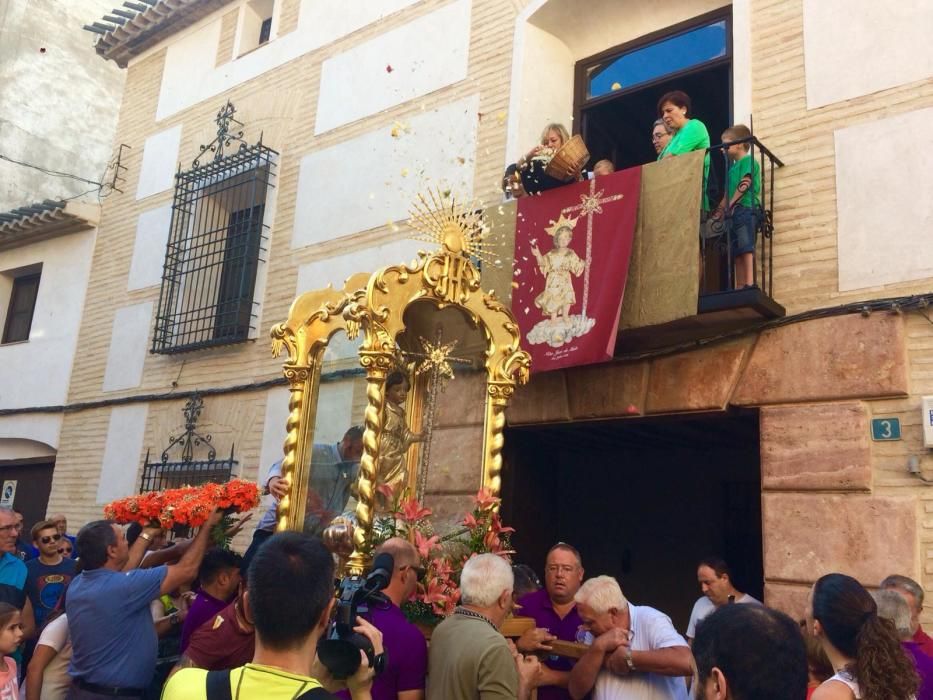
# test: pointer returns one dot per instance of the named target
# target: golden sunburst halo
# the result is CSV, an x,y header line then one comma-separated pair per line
x,y
460,229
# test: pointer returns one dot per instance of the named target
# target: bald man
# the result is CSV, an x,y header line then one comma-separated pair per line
x,y
405,646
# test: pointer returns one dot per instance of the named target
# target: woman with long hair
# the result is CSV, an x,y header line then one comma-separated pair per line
x,y
863,648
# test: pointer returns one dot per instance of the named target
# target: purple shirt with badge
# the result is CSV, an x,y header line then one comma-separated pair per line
x,y
406,653
538,606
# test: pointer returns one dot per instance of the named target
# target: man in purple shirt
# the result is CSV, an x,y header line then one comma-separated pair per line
x,y
405,647
556,617
219,577
892,606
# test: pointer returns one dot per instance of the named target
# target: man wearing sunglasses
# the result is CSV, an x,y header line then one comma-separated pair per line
x,y
405,647
49,574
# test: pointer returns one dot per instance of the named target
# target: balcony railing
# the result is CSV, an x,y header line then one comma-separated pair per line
x,y
718,288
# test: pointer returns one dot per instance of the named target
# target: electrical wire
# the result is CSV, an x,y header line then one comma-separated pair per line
x,y
48,171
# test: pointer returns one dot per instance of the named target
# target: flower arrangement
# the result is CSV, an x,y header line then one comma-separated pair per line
x,y
442,557
187,506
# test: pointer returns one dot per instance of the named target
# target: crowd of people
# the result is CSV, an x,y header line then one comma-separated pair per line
x,y
137,617
675,132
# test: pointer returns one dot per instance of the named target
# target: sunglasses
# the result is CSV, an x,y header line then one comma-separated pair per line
x,y
47,539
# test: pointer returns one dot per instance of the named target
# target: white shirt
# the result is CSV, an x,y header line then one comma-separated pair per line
x,y
55,678
704,606
651,630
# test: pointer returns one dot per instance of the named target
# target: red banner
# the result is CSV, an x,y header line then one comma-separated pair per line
x,y
572,251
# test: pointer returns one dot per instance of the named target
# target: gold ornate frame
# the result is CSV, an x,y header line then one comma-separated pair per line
x,y
375,309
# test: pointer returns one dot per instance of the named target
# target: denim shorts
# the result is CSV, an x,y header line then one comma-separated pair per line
x,y
743,228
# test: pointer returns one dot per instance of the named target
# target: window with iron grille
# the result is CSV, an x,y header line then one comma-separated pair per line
x,y
214,251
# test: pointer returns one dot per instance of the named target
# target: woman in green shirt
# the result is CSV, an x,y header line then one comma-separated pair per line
x,y
689,134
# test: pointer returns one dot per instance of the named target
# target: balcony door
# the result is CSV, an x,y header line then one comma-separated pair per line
x,y
616,91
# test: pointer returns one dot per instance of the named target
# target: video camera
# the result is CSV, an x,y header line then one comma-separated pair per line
x,y
339,649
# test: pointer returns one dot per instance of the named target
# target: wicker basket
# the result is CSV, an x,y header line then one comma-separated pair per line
x,y
569,160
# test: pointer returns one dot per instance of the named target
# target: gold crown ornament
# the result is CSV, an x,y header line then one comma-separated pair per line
x,y
562,222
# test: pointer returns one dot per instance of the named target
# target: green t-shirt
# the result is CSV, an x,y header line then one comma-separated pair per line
x,y
692,136
739,169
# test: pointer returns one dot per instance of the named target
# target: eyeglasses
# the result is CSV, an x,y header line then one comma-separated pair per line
x,y
54,538
563,568
419,570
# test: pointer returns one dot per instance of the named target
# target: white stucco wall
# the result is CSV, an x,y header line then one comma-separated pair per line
x,y
129,344
58,108
152,229
884,223
357,83
160,162
37,372
122,452
434,149
29,435
190,75
857,47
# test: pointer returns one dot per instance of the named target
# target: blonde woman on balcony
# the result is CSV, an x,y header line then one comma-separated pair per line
x,y
552,138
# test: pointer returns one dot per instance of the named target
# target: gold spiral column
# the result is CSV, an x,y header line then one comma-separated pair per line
x,y
377,366
497,398
296,462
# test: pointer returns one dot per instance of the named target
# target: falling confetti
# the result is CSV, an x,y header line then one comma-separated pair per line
x,y
388,69
500,117
461,160
404,172
615,86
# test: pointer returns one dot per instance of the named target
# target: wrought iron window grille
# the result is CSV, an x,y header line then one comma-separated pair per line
x,y
187,471
217,242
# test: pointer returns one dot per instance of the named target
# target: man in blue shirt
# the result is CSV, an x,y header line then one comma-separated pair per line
x,y
13,575
112,634
335,468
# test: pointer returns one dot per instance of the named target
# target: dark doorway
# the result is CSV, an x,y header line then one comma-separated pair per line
x,y
33,485
642,500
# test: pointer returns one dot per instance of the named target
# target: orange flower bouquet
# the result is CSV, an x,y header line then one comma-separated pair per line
x,y
188,506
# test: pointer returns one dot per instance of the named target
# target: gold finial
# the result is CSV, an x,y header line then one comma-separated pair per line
x,y
459,229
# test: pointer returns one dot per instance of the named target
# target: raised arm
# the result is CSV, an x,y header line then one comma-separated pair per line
x,y
187,567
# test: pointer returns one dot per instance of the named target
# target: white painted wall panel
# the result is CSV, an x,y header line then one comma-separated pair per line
x,y
343,189
152,230
273,430
190,75
324,21
122,452
66,268
884,222
160,162
129,343
425,55
858,47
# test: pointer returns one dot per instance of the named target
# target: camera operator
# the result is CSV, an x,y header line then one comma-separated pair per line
x,y
406,648
290,597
